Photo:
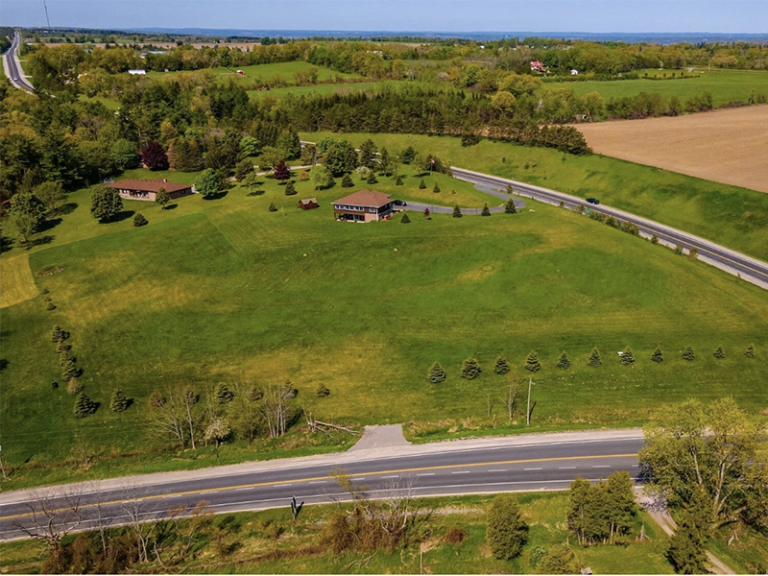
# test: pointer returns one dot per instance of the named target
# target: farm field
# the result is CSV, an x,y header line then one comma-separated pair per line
x,y
298,549
730,215
726,146
265,72
345,87
725,86
224,290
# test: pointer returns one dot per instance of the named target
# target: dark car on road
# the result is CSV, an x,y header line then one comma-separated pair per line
x,y
400,203
593,200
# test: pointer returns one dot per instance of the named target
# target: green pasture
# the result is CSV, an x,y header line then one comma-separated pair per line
x,y
333,88
265,73
224,290
725,86
733,216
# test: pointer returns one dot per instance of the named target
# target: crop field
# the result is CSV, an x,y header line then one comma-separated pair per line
x,y
224,290
726,146
725,86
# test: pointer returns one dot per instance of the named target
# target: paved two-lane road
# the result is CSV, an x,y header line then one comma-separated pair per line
x,y
12,66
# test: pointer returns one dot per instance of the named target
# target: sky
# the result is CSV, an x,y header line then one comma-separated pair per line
x,y
597,16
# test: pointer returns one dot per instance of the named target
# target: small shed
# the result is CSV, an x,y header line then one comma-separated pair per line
x,y
308,203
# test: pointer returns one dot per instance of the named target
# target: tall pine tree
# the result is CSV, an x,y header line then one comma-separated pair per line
x,y
502,366
594,358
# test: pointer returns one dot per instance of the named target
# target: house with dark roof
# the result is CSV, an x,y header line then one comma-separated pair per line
x,y
148,189
363,206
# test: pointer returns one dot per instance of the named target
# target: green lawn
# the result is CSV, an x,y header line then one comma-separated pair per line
x,y
337,88
732,216
299,548
224,290
725,86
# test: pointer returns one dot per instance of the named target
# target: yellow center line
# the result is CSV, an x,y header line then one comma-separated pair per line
x,y
318,478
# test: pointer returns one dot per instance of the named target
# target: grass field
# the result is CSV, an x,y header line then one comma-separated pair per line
x,y
725,86
16,282
733,216
337,88
223,290
266,72
298,550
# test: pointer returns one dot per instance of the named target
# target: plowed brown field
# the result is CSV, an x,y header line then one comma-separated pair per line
x,y
729,146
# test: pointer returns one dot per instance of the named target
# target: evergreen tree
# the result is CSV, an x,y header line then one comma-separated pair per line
x,y
368,152
594,358
224,394
563,362
70,370
290,189
687,549
422,185
502,365
750,352
399,181
372,178
471,369
532,362
510,208
385,162
346,182
282,172
719,353
457,212
626,357
408,155
657,355
436,188
486,211
689,355
322,390
405,219
559,559
510,190
57,334
436,374
119,402
272,207
84,406
507,531
105,203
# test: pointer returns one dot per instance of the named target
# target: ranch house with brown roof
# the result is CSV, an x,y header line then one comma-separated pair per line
x,y
148,189
363,206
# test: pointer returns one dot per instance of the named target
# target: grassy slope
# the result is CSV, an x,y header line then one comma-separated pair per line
x,y
545,514
223,290
725,86
265,72
733,216
341,88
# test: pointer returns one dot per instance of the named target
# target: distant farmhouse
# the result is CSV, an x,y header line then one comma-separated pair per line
x,y
537,66
363,206
148,189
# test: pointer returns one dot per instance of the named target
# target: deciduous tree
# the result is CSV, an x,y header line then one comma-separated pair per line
x,y
507,532
154,157
208,183
105,203
162,198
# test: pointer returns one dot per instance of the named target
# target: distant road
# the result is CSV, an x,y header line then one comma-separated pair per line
x,y
736,263
12,66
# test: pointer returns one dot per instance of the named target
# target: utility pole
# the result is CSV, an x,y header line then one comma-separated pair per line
x,y
528,412
45,5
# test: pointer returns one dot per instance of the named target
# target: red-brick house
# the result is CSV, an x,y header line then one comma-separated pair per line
x,y
308,203
363,206
148,189
537,66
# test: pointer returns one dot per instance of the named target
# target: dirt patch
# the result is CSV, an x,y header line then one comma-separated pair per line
x,y
725,145
49,271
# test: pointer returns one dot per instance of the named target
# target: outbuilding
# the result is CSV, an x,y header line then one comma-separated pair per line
x,y
308,203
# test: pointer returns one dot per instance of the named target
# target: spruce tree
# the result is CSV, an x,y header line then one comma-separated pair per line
x,y
532,362
457,212
594,358
563,362
70,370
422,185
372,178
687,549
290,189
399,181
471,369
507,531
719,353
119,402
486,211
627,358
405,219
750,351
272,207
502,366
436,188
322,390
657,356
57,334
346,182
510,208
689,355
139,220
84,406
436,373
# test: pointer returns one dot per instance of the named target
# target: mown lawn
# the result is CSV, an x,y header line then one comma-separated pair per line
x,y
224,290
732,216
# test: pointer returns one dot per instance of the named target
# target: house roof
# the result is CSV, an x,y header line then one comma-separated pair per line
x,y
368,198
149,185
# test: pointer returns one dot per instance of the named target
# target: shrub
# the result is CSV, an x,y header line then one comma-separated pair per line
x,y
502,366
719,353
399,181
563,362
457,212
224,394
272,207
657,356
346,182
688,354
290,189
693,254
594,358
471,369
559,559
84,406
532,362
627,358
57,334
50,306
273,531
322,390
63,347
486,211
455,535
750,351
119,402
139,220
436,188
156,400
436,374
70,370
405,219
510,208
74,386
372,178
678,249
422,185
507,531
654,239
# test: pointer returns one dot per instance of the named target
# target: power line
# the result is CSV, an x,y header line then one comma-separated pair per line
x,y
45,5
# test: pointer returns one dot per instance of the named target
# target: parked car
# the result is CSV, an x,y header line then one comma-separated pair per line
x,y
593,200
400,203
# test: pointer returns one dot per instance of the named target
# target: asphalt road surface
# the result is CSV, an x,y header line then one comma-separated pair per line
x,y
750,269
540,466
13,67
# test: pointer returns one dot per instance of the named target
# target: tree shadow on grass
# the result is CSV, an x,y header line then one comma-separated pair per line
x,y
3,364
218,196
124,215
68,208
171,207
42,241
49,224
256,193
6,243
